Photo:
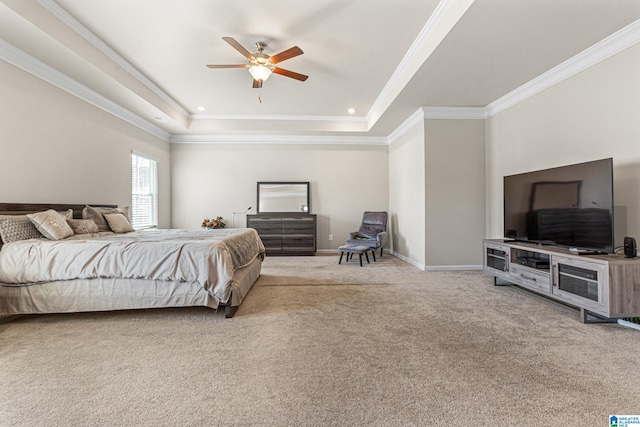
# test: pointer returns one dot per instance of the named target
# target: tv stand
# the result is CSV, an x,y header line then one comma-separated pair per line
x,y
603,287
577,251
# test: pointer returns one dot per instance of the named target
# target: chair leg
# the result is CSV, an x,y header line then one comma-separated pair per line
x,y
373,252
367,256
341,253
360,255
381,252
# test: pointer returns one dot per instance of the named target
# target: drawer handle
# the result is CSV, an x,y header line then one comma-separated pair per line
x,y
528,278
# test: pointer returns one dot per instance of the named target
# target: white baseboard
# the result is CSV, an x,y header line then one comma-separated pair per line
x,y
416,264
327,251
453,267
629,324
410,261
437,267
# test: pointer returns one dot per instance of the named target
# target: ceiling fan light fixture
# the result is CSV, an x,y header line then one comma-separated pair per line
x,y
262,65
260,72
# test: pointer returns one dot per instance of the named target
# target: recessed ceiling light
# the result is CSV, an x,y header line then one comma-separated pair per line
x,y
202,108
351,110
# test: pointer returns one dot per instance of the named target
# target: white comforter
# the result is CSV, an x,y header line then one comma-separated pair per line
x,y
206,257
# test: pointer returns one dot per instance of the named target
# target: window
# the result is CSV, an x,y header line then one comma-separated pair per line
x,y
144,192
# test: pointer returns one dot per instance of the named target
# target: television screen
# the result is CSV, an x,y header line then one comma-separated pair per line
x,y
568,206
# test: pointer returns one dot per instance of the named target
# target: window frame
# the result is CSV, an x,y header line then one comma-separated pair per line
x,y
142,216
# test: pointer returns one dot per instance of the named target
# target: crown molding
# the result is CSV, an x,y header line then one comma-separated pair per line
x,y
64,16
19,59
276,118
442,15
410,122
437,113
615,43
455,113
279,139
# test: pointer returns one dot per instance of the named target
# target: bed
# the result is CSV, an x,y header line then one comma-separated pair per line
x,y
119,271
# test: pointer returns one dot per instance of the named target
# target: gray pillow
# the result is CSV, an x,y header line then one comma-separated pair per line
x,y
51,224
83,226
17,227
97,214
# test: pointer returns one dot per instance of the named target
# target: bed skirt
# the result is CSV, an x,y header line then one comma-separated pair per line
x,y
70,296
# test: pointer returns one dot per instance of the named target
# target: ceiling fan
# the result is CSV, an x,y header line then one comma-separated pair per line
x,y
262,65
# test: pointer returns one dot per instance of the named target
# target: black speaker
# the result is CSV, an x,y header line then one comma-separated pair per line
x,y
630,247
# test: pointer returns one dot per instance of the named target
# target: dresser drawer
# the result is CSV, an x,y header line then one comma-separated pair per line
x,y
267,229
272,243
298,243
298,229
265,225
298,226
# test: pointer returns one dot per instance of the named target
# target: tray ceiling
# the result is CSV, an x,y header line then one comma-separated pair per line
x,y
384,59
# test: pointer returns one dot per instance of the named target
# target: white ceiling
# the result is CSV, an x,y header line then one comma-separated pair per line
x,y
383,58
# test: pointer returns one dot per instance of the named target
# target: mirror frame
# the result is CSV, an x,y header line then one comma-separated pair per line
x,y
284,183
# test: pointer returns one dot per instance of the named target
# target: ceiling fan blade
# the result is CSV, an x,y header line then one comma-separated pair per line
x,y
291,74
257,84
287,54
229,66
237,46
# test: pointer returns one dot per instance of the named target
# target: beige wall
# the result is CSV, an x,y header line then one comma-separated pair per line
x,y
407,195
219,179
56,148
455,196
592,115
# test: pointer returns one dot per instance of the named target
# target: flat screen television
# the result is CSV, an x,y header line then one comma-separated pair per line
x,y
569,206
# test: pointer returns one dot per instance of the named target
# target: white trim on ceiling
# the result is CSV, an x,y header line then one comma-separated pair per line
x,y
443,18
280,139
455,113
276,118
19,59
615,43
410,122
64,16
437,113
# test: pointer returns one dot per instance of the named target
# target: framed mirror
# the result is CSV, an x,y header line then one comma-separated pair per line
x,y
283,197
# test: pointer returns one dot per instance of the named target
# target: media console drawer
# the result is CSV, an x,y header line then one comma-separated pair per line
x,y
538,280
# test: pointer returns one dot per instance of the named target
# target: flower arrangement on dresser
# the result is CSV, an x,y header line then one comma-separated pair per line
x,y
210,224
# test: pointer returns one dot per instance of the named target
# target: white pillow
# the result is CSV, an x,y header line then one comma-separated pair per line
x,y
51,224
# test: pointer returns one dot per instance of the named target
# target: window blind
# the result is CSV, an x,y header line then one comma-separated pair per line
x,y
144,192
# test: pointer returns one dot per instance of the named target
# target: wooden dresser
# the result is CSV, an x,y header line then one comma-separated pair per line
x,y
286,233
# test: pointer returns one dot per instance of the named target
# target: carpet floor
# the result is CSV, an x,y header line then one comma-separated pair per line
x,y
315,344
